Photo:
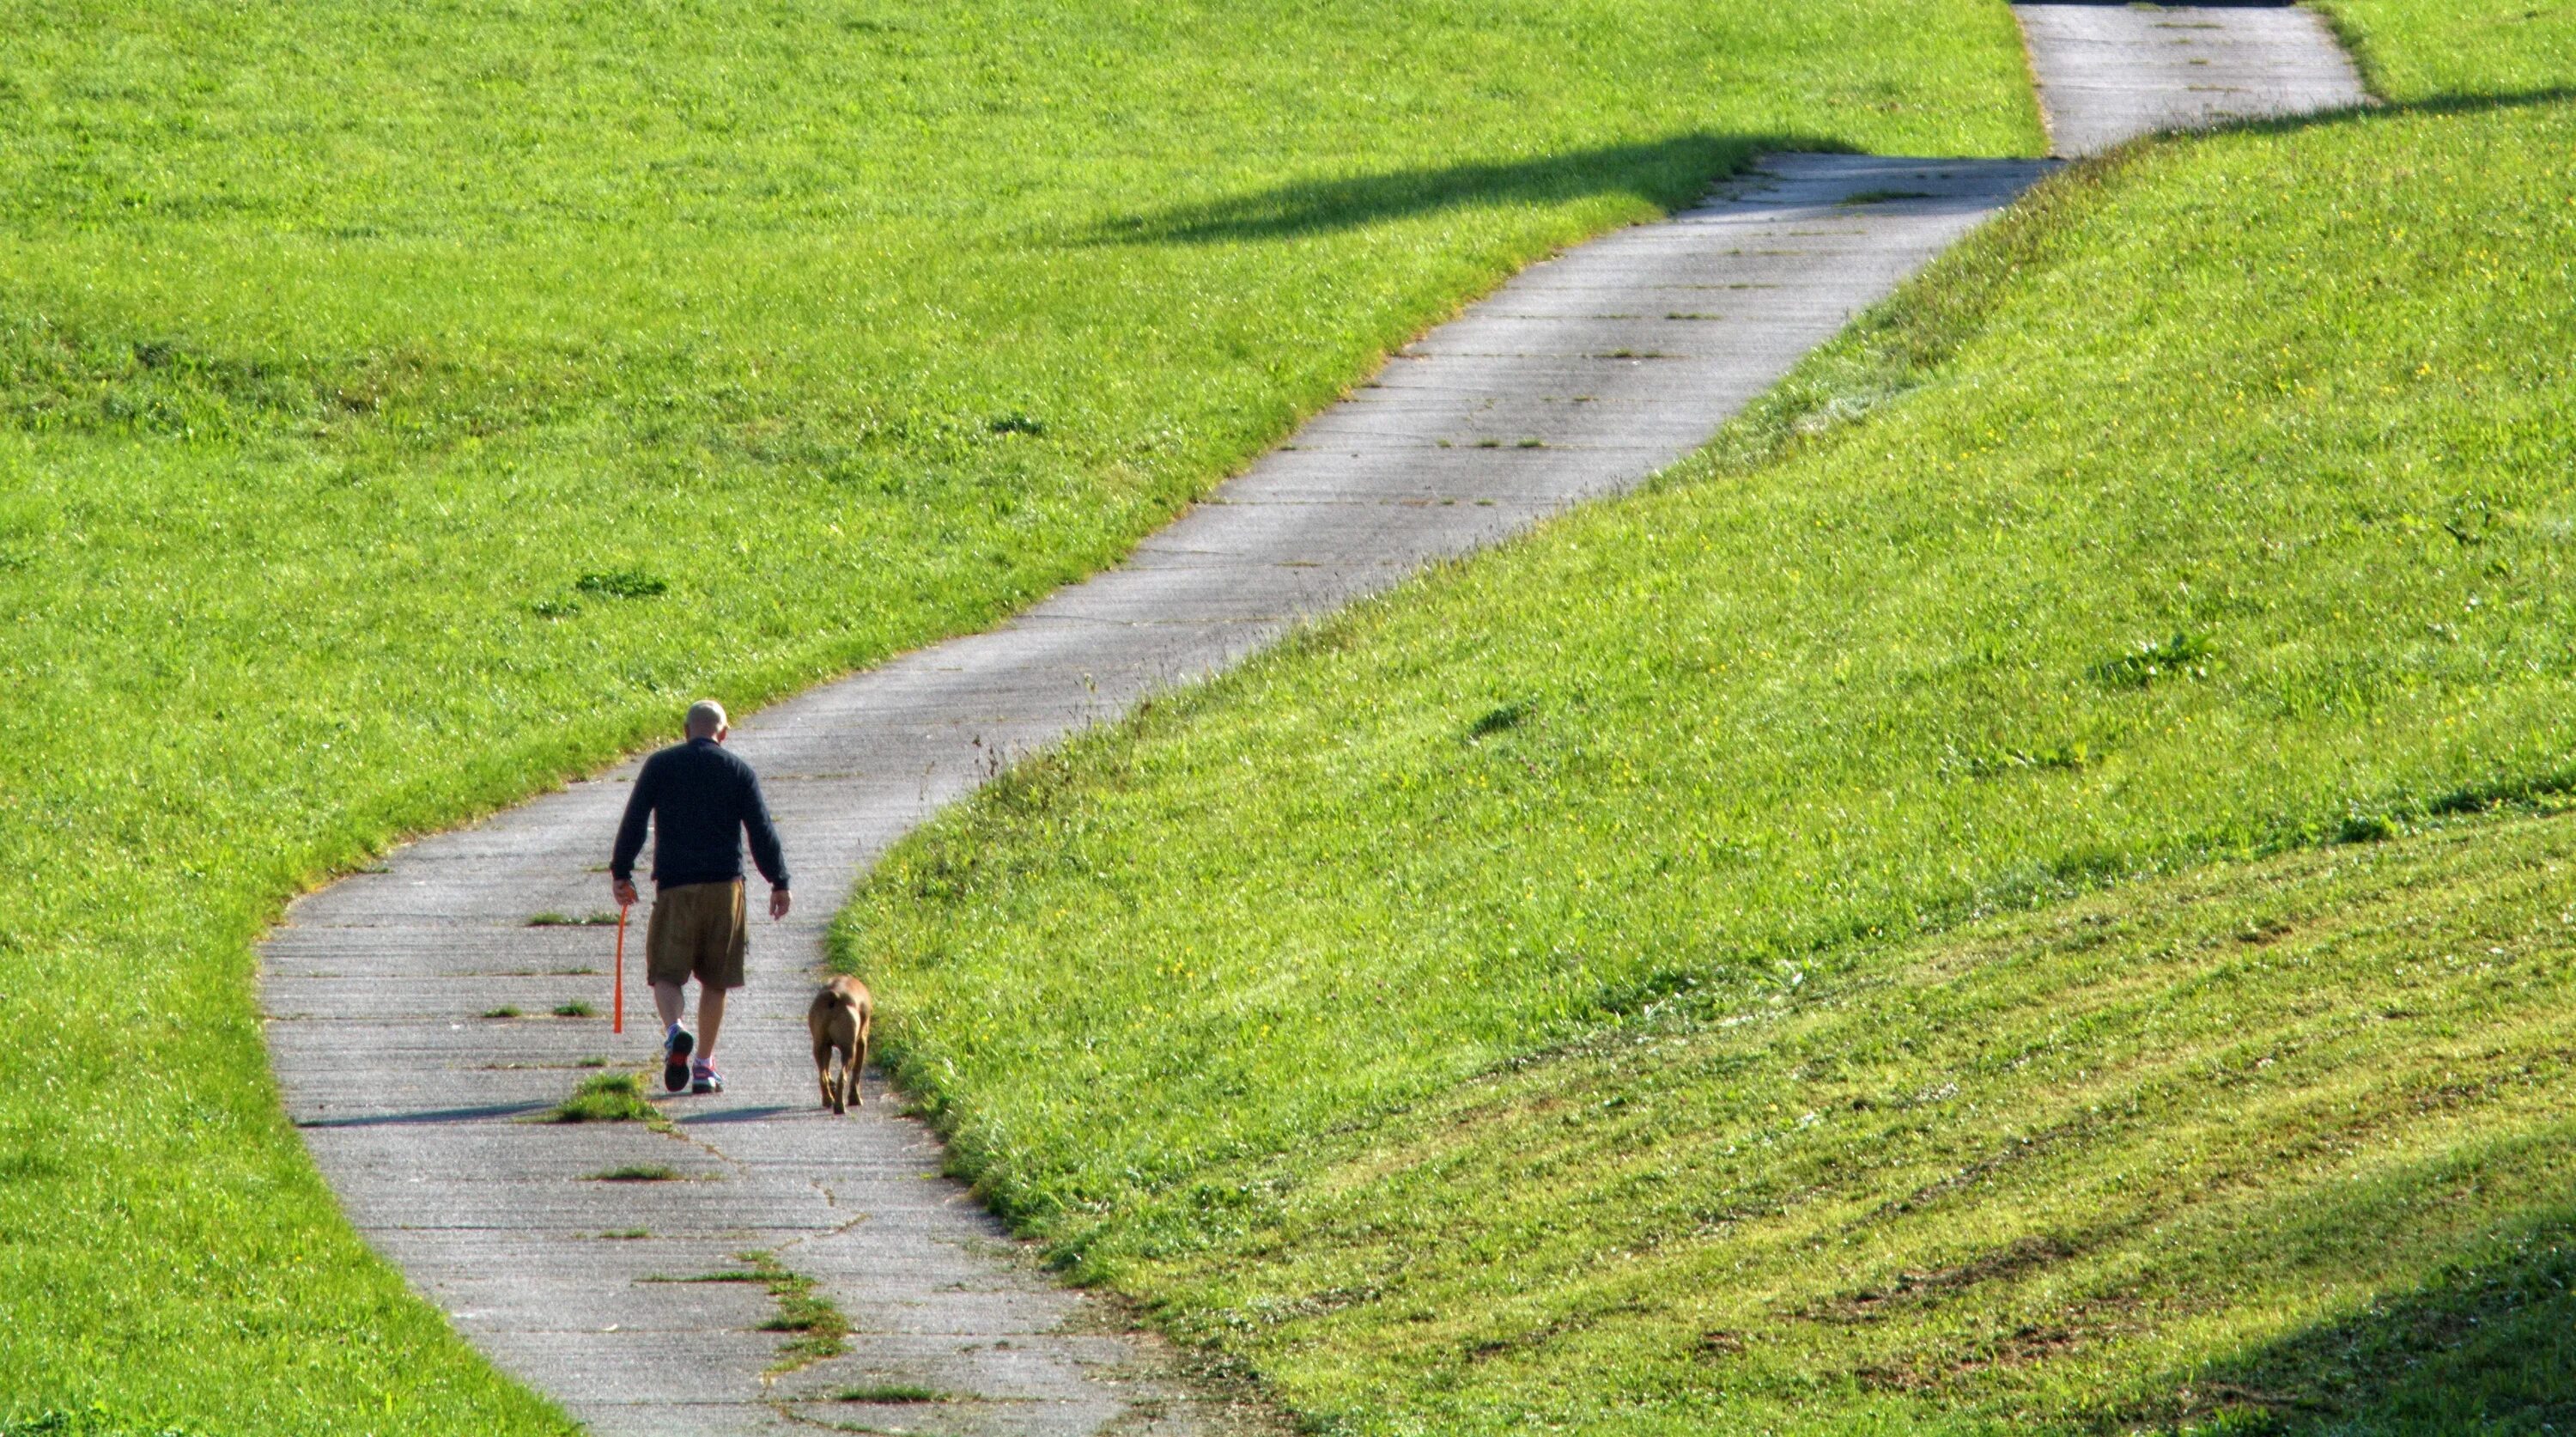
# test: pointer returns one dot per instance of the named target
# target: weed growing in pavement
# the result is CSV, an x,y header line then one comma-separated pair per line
x,y
820,1329
610,1098
819,1326
892,1393
638,1173
1880,197
606,1098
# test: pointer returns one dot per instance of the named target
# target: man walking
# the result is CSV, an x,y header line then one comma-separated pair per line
x,y
701,800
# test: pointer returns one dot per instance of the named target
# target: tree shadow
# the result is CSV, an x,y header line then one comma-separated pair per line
x,y
1667,173
2439,105
2483,1346
2445,105
2484,1342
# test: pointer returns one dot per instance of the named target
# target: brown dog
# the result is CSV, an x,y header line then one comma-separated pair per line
x,y
839,1021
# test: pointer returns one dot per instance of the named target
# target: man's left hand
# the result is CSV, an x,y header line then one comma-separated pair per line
x,y
778,904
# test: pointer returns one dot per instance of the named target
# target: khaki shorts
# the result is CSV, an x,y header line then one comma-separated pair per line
x,y
697,931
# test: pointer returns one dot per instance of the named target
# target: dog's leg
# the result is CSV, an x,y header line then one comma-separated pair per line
x,y
823,1070
859,1061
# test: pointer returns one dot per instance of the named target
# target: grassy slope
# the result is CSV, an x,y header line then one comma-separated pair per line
x,y
339,343
2414,51
2289,1138
2113,590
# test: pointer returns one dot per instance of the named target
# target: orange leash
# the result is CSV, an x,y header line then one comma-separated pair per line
x,y
617,1020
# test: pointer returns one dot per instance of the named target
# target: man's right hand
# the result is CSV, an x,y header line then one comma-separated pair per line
x,y
624,888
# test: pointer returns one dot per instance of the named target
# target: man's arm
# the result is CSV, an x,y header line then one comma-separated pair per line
x,y
630,835
765,852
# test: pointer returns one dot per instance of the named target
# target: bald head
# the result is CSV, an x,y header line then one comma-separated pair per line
x,y
706,719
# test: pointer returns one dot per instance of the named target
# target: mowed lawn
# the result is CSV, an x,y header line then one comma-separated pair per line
x,y
2276,1145
402,406
2215,505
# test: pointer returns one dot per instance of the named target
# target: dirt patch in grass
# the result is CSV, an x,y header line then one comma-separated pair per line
x,y
1923,1289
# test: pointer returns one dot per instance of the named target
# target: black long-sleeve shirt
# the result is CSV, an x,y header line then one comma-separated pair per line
x,y
701,801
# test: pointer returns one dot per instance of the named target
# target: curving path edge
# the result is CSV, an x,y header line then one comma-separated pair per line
x,y
1579,377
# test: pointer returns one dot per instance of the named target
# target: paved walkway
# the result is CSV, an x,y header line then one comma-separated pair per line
x,y
2112,72
1578,378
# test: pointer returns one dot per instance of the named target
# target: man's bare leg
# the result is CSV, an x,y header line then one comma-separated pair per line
x,y
711,1003
671,1001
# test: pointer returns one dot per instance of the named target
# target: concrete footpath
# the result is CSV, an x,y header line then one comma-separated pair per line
x,y
1578,378
2108,73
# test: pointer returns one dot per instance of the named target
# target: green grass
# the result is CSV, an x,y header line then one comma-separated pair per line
x,y
404,407
638,1173
561,920
93,1421
820,1328
2284,1140
2415,50
891,1392
2043,582
607,1098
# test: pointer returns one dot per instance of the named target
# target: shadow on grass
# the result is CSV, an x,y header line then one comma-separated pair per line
x,y
2484,1347
2437,106
2484,1342
2475,104
1668,173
